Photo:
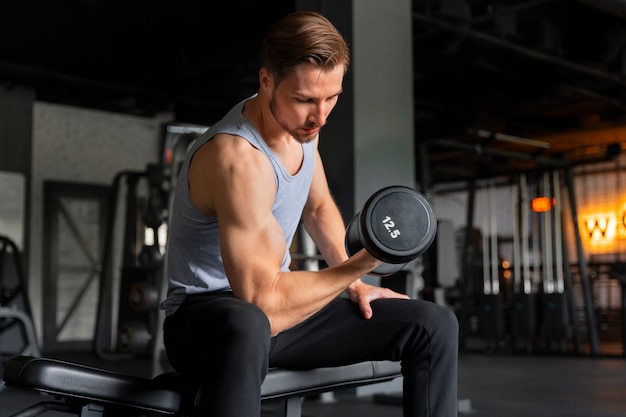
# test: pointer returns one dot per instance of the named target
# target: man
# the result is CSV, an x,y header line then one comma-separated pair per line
x,y
233,307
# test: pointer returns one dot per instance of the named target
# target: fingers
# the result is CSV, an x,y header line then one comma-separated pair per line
x,y
366,309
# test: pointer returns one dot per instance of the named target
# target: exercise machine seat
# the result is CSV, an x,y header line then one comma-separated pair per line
x,y
170,393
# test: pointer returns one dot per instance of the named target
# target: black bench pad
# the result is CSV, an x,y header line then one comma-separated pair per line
x,y
165,393
289,383
84,382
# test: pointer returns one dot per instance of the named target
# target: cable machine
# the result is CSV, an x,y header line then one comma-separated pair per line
x,y
127,327
539,305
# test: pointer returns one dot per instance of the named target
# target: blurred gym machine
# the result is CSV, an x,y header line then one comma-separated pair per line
x,y
557,308
542,302
478,295
490,316
523,304
527,300
618,272
141,194
178,140
17,332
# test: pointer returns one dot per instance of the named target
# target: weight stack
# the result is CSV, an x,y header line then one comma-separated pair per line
x,y
138,308
523,321
554,316
491,323
523,316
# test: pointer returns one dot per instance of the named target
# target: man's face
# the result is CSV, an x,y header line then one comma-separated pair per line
x,y
303,100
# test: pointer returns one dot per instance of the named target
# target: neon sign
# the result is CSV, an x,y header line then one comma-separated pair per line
x,y
604,229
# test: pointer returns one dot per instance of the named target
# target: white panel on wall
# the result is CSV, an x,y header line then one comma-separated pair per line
x,y
82,145
12,205
452,206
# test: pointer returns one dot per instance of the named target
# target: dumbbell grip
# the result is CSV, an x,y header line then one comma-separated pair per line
x,y
353,246
364,258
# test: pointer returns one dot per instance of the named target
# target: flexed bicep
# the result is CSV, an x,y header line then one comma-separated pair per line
x,y
252,243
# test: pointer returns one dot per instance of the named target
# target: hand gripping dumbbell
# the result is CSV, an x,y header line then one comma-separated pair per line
x,y
396,225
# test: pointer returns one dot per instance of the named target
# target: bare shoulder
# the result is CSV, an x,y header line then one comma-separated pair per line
x,y
225,167
223,146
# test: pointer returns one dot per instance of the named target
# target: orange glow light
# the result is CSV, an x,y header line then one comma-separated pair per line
x,y
542,204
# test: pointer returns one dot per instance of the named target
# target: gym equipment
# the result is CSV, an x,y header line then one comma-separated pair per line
x,y
90,392
618,272
17,331
555,320
396,225
592,331
491,299
523,317
141,265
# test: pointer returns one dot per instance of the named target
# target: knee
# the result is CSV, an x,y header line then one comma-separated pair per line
x,y
448,319
445,323
247,328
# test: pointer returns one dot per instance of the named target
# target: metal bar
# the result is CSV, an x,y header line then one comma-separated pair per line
x,y
503,137
102,336
82,243
518,285
582,265
43,407
569,294
465,263
485,251
290,407
479,149
548,264
495,262
308,250
558,232
524,235
76,301
536,270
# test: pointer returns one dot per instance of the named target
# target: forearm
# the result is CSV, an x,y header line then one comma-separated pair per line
x,y
327,229
295,296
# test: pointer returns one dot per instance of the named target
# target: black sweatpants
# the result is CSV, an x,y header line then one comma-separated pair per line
x,y
226,343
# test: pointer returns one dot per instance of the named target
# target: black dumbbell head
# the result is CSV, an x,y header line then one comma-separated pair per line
x,y
397,224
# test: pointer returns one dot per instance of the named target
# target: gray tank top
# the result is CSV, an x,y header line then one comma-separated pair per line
x,y
193,258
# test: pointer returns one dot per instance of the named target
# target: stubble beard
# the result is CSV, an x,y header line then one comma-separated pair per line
x,y
299,137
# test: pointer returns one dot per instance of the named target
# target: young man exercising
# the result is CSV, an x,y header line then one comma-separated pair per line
x,y
234,308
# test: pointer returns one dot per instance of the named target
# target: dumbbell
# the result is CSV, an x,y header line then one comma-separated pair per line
x,y
395,225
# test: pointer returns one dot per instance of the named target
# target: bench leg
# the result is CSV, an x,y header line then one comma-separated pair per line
x,y
92,410
291,407
43,407
89,410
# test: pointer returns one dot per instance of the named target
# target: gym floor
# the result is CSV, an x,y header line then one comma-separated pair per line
x,y
489,386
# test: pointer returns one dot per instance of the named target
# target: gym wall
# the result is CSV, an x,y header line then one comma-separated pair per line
x,y
81,146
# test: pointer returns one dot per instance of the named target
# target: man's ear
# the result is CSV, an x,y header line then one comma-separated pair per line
x,y
266,80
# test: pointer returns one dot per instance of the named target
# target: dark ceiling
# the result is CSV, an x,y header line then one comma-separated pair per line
x,y
526,69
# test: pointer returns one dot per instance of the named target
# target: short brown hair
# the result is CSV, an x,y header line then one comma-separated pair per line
x,y
303,37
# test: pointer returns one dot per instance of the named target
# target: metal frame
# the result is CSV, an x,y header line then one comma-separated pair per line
x,y
56,195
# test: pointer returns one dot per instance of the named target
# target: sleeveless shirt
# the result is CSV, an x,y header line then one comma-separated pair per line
x,y
193,258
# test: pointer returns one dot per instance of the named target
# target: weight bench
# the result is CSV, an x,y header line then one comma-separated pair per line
x,y
91,392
